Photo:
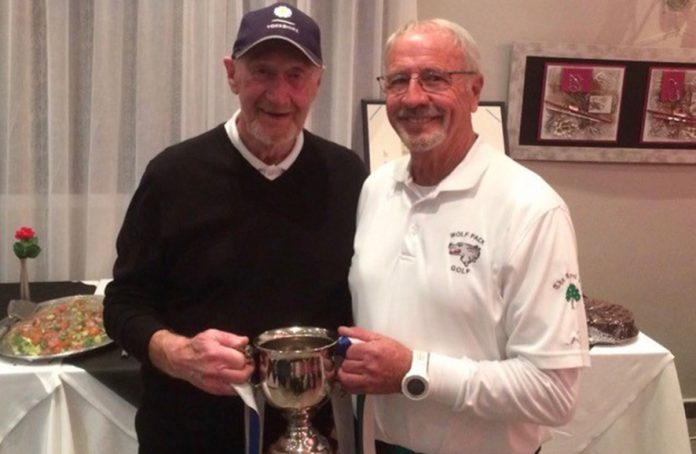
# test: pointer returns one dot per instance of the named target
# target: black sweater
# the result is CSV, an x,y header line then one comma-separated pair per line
x,y
209,242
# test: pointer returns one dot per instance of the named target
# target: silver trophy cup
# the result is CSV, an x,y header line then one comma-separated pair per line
x,y
296,372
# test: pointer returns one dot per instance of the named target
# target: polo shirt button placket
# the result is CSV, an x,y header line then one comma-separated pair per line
x,y
410,241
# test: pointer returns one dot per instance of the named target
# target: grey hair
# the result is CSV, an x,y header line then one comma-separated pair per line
x,y
462,38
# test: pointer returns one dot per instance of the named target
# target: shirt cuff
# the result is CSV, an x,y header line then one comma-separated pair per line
x,y
447,377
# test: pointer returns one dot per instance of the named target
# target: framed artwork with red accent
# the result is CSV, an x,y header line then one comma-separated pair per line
x,y
580,102
574,102
670,106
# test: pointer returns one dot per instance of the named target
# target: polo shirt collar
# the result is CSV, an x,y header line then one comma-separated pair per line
x,y
464,176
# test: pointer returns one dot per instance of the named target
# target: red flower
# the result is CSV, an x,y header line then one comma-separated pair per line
x,y
27,244
24,233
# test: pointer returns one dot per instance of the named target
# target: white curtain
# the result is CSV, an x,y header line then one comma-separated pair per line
x,y
91,90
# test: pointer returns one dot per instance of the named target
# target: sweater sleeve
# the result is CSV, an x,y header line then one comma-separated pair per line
x,y
131,299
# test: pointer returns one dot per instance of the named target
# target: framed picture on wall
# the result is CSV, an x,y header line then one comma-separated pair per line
x,y
670,106
580,102
382,143
574,102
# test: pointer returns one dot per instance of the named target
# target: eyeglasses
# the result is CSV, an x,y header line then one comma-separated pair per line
x,y
430,80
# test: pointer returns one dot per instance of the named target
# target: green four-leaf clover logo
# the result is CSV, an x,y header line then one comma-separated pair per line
x,y
572,295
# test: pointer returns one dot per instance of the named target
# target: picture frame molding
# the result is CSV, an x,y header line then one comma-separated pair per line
x,y
608,153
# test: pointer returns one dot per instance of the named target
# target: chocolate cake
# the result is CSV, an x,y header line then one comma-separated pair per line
x,y
608,323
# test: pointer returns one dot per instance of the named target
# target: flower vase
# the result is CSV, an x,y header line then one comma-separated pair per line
x,y
24,281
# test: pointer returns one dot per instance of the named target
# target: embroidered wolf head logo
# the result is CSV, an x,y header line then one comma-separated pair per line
x,y
468,253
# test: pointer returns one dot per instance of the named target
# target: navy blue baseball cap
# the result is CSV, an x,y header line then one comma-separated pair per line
x,y
279,21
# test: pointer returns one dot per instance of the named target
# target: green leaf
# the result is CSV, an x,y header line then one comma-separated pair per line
x,y
26,249
572,293
33,250
19,250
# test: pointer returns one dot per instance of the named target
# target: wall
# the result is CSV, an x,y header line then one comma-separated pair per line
x,y
635,223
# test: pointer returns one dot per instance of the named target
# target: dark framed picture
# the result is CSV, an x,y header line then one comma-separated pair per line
x,y
574,102
670,106
580,102
382,143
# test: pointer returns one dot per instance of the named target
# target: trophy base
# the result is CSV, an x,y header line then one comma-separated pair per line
x,y
301,443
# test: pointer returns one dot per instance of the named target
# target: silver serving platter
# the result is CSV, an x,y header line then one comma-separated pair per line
x,y
6,348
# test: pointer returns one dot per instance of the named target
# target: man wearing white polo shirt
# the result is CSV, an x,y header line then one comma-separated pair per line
x,y
465,283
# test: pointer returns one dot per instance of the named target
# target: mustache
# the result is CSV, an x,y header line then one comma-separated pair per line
x,y
416,112
276,108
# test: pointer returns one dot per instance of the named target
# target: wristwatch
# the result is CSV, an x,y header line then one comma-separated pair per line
x,y
415,384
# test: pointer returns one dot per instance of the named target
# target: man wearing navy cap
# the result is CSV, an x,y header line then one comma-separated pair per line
x,y
245,228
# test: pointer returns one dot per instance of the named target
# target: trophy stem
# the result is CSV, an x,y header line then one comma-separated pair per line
x,y
300,437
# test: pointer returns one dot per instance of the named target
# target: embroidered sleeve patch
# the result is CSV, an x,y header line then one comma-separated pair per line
x,y
572,295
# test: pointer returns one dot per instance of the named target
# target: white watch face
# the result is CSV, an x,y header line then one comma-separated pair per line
x,y
415,383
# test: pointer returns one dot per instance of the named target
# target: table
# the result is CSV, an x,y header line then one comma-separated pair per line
x,y
61,409
79,405
630,402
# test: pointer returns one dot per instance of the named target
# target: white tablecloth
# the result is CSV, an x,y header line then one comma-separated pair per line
x,y
630,403
61,409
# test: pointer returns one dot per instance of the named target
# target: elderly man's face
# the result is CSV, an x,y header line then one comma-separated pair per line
x,y
276,85
426,120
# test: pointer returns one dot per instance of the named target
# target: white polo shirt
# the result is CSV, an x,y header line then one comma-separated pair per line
x,y
481,268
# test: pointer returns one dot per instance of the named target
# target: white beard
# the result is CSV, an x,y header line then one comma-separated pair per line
x,y
257,131
422,142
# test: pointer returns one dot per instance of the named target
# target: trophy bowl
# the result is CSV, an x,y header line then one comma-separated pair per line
x,y
296,372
